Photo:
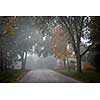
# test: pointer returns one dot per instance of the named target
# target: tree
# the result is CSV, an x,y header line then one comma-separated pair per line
x,y
18,37
59,45
20,33
77,28
15,40
7,35
25,38
29,37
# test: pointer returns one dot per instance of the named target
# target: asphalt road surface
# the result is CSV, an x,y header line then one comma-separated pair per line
x,y
46,76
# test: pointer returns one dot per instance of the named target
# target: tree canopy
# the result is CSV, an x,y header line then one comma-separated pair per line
x,y
23,35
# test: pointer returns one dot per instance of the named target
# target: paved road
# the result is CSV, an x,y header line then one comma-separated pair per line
x,y
46,76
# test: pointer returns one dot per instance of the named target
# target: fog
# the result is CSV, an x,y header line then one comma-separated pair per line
x,y
35,62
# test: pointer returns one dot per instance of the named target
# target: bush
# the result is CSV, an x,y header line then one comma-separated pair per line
x,y
89,68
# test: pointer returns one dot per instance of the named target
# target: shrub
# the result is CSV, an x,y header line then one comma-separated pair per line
x,y
88,68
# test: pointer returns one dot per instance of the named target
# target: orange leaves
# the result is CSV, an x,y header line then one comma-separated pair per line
x,y
58,43
88,68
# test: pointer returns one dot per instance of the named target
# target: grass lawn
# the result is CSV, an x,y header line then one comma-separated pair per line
x,y
85,77
11,76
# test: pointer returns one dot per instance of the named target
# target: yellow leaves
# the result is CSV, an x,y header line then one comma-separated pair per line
x,y
9,30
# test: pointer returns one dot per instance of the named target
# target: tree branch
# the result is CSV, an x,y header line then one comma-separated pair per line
x,y
86,50
67,25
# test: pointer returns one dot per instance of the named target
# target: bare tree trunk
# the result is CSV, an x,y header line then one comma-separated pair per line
x,y
1,59
64,63
78,57
23,64
24,58
13,67
5,60
68,64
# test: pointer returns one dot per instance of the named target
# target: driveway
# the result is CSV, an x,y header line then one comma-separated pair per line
x,y
46,76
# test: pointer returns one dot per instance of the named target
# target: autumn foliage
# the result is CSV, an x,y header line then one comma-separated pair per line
x,y
58,44
9,23
88,68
